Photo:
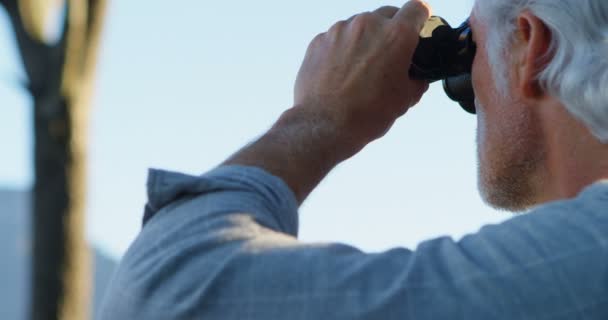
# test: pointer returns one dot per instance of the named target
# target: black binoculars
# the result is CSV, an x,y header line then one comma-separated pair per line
x,y
446,53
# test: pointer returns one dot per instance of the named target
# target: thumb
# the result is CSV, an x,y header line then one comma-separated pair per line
x,y
414,12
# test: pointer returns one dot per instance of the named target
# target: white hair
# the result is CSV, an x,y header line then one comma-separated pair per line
x,y
577,73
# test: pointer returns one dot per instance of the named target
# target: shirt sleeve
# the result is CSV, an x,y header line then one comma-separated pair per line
x,y
223,246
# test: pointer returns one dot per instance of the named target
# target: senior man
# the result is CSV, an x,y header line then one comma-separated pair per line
x,y
223,245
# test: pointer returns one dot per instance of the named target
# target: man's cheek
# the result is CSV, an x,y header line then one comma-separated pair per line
x,y
481,124
487,131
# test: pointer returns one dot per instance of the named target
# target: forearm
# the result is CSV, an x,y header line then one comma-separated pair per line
x,y
352,86
301,148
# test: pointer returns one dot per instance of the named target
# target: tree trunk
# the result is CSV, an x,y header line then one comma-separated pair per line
x,y
60,77
61,260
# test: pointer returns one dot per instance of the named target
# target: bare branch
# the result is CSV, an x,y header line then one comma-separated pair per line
x,y
96,17
36,55
75,42
81,42
34,14
9,5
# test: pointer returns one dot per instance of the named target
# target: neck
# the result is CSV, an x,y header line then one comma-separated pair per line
x,y
575,158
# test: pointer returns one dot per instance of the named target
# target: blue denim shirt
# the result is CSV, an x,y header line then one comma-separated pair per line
x,y
223,246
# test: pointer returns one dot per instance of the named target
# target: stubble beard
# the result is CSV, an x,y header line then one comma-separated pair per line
x,y
509,166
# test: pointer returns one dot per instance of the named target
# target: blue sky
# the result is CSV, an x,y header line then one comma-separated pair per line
x,y
182,87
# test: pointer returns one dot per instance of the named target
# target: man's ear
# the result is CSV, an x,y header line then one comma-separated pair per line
x,y
531,54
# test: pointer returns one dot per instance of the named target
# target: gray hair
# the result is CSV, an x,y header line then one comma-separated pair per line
x,y
577,73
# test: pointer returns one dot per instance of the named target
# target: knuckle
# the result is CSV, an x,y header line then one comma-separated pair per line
x,y
387,8
317,40
364,18
364,21
318,37
338,26
387,11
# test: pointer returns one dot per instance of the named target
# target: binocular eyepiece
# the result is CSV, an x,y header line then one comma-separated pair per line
x,y
446,53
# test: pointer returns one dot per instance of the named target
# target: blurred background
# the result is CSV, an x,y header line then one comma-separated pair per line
x,y
181,86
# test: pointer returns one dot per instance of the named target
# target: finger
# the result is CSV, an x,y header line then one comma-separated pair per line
x,y
353,17
387,11
414,12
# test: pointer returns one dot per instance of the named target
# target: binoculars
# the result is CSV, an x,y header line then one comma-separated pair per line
x,y
446,53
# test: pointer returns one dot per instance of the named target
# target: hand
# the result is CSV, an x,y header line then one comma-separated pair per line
x,y
352,86
356,74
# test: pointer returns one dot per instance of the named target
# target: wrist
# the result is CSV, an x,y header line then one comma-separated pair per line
x,y
300,148
319,132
